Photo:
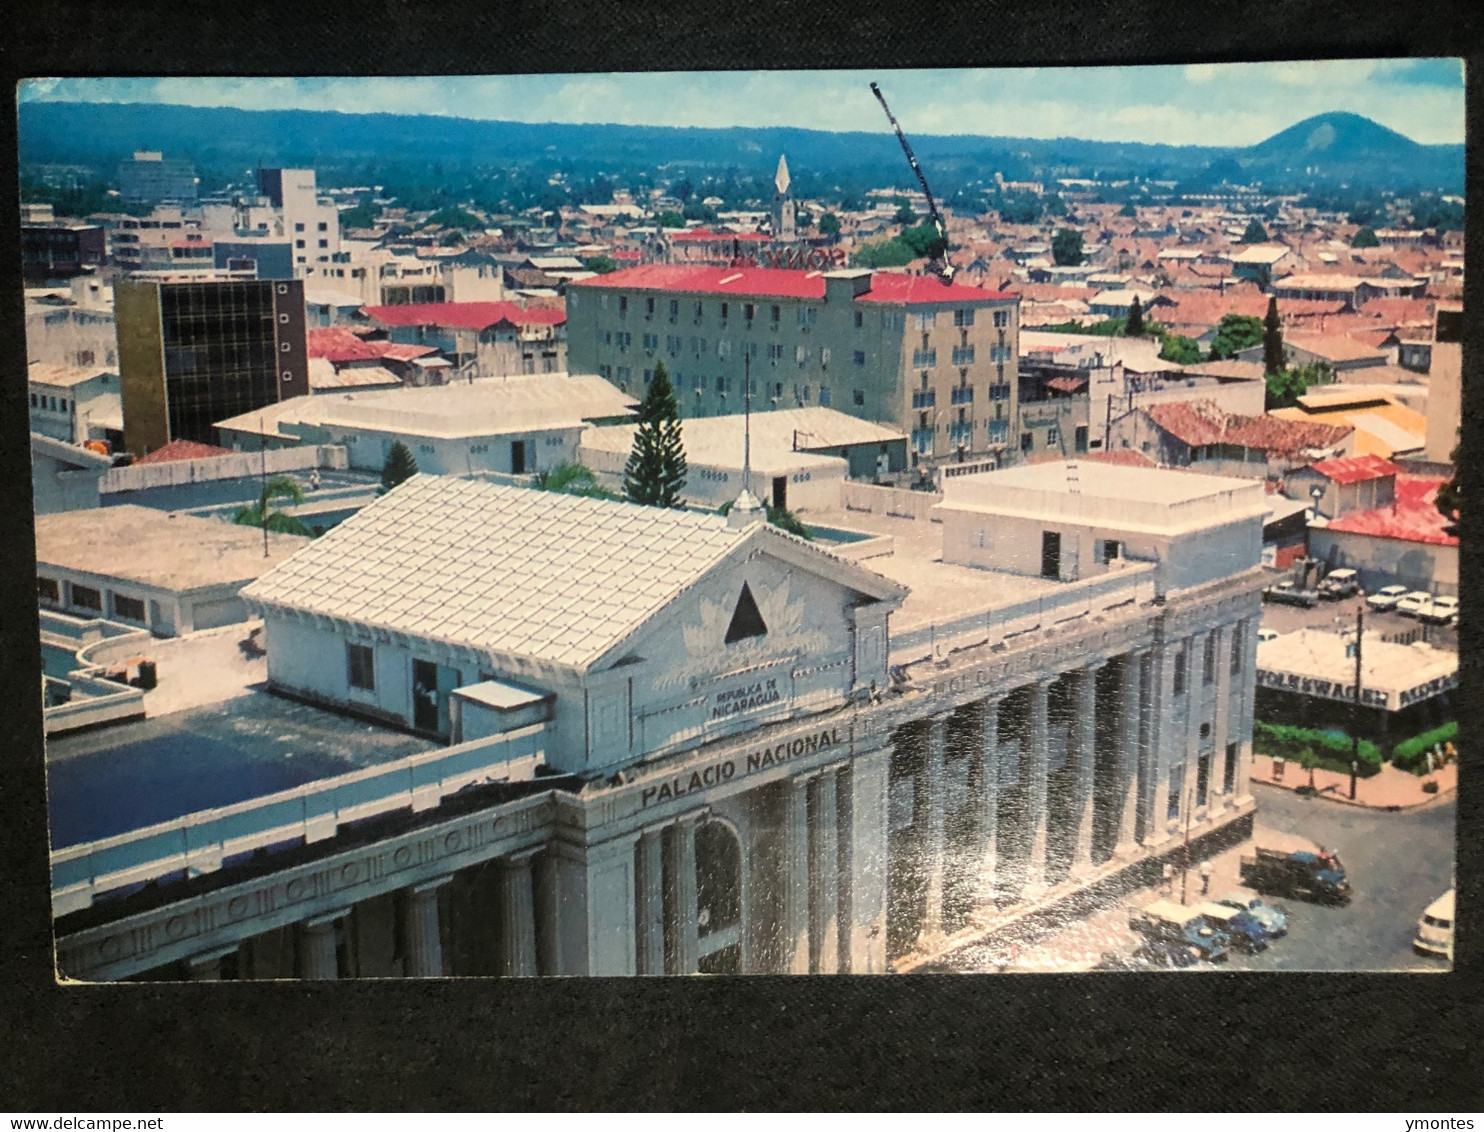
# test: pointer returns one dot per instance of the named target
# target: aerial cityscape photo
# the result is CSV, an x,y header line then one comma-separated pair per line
x,y
992,521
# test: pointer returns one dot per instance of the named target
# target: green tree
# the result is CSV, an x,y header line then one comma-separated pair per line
x,y
571,478
262,513
455,217
1285,387
670,219
1365,238
1128,210
1134,328
655,472
361,216
1449,499
1272,338
399,467
904,215
602,264
1235,332
1255,233
1066,247
884,253
829,225
1179,349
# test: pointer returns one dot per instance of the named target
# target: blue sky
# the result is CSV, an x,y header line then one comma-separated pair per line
x,y
1203,103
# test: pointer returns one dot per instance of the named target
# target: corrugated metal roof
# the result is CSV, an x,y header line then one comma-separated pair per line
x,y
1414,517
1205,422
1354,469
465,316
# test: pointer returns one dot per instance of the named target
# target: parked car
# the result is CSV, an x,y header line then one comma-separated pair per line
x,y
1239,925
1440,611
1266,635
1166,921
1305,875
1339,584
1270,916
1386,598
1435,928
1409,603
1162,955
1289,593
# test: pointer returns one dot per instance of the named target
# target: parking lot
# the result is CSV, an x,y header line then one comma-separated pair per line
x,y
1337,615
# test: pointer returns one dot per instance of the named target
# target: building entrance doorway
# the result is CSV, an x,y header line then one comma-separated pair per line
x,y
780,492
431,684
517,457
718,899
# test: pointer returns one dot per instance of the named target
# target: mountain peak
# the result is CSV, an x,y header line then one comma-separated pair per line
x,y
1338,136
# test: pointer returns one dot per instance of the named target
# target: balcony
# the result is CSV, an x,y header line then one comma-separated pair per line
x,y
922,358
925,399
963,395
963,355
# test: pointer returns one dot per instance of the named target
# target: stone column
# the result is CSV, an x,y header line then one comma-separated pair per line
x,y
683,955
864,883
317,959
933,838
1130,758
795,877
1038,757
517,916
207,967
421,942
1084,757
1216,795
824,918
989,798
651,903
1157,822
1245,690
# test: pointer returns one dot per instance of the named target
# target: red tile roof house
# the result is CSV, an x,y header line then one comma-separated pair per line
x,y
1406,543
1203,437
1356,483
496,339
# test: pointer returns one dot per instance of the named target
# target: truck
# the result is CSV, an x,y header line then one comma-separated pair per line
x,y
1339,584
1304,874
1290,593
1166,922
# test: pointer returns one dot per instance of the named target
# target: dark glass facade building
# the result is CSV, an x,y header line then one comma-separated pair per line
x,y
194,353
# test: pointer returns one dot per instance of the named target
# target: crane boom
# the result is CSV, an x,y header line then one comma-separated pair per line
x,y
946,271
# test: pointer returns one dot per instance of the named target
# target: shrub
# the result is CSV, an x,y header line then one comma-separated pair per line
x,y
1411,754
1332,750
1429,787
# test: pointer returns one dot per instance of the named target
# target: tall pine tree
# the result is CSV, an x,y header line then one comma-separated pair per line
x,y
655,473
400,465
1272,339
1135,325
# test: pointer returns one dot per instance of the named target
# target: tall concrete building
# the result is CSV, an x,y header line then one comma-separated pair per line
x,y
312,224
938,361
192,353
149,177
649,741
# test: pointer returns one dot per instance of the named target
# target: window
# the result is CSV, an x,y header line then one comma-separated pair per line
x,y
1177,787
649,306
1053,437
360,667
1202,778
1179,688
299,243
323,227
299,228
1238,646
858,397
860,319
964,317
651,341
33,401
963,355
725,311
808,315
1229,769
824,356
775,314
1106,550
674,309
47,589
623,306
1027,442
925,320
324,243
801,354
1002,318
775,352
824,396
129,608
700,309
859,358
749,310
1208,661
85,597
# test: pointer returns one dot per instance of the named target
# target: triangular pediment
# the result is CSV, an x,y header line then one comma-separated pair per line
x,y
747,620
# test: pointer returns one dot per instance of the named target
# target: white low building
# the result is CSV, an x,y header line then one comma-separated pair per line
x,y
172,574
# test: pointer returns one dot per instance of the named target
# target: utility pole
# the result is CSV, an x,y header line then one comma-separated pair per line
x,y
263,479
1359,710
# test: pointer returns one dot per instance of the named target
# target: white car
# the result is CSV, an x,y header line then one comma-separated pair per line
x,y
1409,604
1435,928
1386,597
1440,611
1266,635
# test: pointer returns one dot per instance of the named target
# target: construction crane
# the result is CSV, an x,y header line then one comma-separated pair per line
x,y
939,257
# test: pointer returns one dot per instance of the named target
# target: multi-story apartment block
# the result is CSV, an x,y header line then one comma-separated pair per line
x,y
192,353
937,360
149,178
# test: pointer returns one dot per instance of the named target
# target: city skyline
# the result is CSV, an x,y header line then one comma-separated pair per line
x,y
1193,104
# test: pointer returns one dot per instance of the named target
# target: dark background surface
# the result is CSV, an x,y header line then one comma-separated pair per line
x,y
1290,1041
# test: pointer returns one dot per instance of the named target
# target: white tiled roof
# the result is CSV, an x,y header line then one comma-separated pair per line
x,y
512,571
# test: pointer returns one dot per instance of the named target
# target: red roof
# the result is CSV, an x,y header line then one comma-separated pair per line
x,y
1127,456
705,234
466,316
770,283
182,450
1412,518
338,346
1204,422
1354,469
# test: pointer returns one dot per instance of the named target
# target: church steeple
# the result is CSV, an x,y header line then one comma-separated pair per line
x,y
783,204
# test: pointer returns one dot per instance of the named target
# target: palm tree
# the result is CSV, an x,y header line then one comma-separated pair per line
x,y
261,514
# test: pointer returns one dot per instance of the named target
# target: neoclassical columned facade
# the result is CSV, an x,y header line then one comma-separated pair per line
x,y
1040,747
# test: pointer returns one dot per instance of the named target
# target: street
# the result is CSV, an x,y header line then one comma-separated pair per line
x,y
1397,864
1337,615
